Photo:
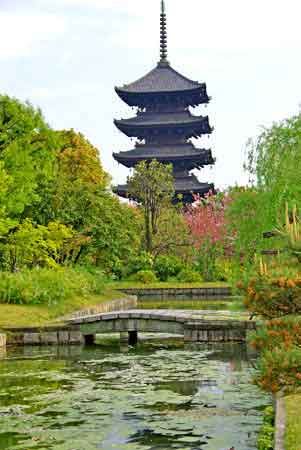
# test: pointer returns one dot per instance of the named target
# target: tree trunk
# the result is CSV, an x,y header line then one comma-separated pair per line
x,y
148,233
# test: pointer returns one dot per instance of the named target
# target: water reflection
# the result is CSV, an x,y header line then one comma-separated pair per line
x,y
156,396
2,352
213,303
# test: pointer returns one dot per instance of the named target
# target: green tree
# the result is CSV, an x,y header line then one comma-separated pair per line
x,y
152,186
246,221
106,229
31,245
274,167
173,237
55,202
27,152
79,178
115,234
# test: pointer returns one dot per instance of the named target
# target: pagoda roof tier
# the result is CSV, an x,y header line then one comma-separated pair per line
x,y
184,122
164,81
187,154
190,98
189,184
184,186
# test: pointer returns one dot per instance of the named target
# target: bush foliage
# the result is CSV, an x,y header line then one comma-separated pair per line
x,y
280,369
145,277
167,267
48,286
279,341
267,432
273,296
188,275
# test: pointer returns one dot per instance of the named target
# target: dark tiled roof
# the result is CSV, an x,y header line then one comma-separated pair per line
x,y
164,151
163,78
158,119
190,183
184,185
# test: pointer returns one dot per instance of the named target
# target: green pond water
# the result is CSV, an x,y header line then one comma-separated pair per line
x,y
229,304
161,395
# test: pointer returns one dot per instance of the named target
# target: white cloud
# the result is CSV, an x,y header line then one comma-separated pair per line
x,y
20,33
214,24
117,5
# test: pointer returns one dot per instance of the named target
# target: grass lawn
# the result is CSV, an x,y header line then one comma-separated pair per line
x,y
39,315
293,422
165,284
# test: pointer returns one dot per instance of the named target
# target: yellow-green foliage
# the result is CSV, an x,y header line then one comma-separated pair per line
x,y
145,277
266,435
293,422
48,287
31,245
40,315
292,231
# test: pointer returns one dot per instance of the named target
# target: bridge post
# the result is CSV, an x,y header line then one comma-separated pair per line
x,y
124,337
133,338
89,339
129,337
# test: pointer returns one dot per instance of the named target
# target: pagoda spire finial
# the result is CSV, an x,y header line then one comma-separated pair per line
x,y
163,33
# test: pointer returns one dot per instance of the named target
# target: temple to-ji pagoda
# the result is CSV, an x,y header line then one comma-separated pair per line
x,y
164,124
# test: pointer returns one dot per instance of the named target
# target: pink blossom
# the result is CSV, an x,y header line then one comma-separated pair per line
x,y
206,219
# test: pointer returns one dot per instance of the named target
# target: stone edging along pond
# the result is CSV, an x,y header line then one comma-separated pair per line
x,y
200,293
125,303
280,422
62,334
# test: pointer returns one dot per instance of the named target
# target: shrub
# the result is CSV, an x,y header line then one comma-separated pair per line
x,y
208,255
280,370
167,267
142,262
145,276
223,269
277,332
267,432
273,296
188,275
46,286
279,340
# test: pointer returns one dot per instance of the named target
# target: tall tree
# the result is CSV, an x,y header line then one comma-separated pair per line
x,y
274,166
80,178
27,151
152,185
52,184
107,231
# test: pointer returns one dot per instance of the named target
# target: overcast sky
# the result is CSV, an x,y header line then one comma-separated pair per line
x,y
66,56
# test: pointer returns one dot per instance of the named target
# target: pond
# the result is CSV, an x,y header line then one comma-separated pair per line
x,y
234,304
161,395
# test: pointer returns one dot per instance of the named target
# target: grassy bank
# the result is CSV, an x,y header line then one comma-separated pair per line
x,y
293,422
39,315
41,296
166,285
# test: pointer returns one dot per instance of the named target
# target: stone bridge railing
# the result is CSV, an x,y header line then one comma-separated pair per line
x,y
192,327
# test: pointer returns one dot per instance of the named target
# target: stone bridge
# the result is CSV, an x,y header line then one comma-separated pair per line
x,y
193,325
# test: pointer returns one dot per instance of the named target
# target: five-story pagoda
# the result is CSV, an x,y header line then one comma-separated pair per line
x,y
164,124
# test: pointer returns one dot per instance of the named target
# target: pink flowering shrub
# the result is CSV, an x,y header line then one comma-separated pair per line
x,y
207,224
206,219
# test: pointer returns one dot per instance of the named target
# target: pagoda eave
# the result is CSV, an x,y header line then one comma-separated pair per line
x,y
184,194
195,160
194,128
193,97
